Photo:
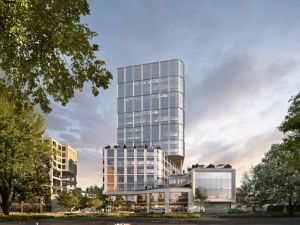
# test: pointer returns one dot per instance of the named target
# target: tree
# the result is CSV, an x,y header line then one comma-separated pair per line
x,y
69,199
45,51
23,155
284,185
95,192
200,198
252,191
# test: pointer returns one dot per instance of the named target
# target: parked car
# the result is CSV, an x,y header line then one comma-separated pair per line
x,y
160,210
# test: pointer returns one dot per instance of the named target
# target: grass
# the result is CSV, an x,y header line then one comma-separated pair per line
x,y
257,215
133,215
37,216
28,216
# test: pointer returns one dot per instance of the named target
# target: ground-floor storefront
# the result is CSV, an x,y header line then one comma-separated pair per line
x,y
168,200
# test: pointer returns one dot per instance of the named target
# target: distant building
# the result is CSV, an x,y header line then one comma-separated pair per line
x,y
63,171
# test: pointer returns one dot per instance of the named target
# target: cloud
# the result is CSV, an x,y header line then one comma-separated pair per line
x,y
232,82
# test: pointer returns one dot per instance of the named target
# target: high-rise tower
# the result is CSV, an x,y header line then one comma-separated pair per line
x,y
151,106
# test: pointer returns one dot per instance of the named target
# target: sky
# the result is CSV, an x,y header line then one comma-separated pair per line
x,y
241,68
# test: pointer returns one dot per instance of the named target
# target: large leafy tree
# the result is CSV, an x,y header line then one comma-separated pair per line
x,y
45,51
284,179
23,155
69,199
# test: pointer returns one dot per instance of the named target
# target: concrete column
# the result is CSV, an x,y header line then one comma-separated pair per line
x,y
22,206
167,202
148,202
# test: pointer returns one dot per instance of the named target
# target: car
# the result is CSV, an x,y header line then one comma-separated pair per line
x,y
158,210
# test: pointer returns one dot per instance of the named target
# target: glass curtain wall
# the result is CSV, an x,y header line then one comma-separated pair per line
x,y
151,105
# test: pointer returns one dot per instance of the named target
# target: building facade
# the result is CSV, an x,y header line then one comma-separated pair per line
x,y
151,106
128,170
63,171
217,183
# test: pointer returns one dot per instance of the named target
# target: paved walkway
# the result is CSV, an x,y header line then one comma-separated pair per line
x,y
142,221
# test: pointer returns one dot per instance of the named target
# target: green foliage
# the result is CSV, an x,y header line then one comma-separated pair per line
x,y
23,155
69,199
200,198
291,122
45,51
94,197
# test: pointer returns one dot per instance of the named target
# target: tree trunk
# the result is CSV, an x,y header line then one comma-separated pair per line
x,y
291,208
5,203
254,208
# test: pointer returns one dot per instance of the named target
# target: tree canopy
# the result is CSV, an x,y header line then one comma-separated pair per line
x,y
23,155
276,180
46,52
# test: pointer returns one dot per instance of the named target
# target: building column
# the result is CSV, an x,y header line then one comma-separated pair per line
x,y
148,202
167,202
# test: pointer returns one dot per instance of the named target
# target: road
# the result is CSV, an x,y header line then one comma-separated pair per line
x,y
144,221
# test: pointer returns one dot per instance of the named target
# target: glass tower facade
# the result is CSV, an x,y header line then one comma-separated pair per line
x,y
151,106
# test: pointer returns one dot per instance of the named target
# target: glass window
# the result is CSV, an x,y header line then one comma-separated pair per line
x,y
147,71
138,103
146,133
164,115
129,73
155,101
120,153
129,134
173,114
140,178
181,84
130,179
121,90
146,87
173,99
120,170
155,70
137,118
121,75
128,89
164,100
180,131
164,131
121,120
164,68
173,131
129,104
128,119
140,170
164,87
181,69
146,117
120,105
121,135
137,134
110,161
155,86
146,102
137,88
130,170
173,66
155,116
155,132
181,103
174,83
137,72
110,152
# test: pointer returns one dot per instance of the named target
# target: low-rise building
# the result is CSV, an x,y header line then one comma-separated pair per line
x,y
143,179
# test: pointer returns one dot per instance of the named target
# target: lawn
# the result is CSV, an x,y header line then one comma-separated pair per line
x,y
38,216
257,215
